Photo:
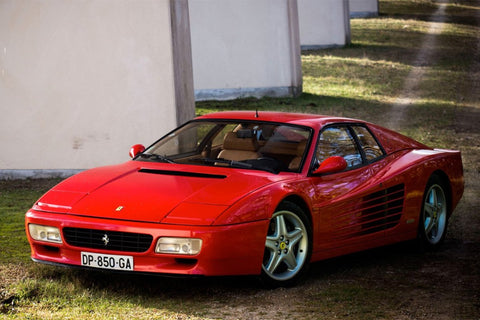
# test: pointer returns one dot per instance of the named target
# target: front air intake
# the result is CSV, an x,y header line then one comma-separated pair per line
x,y
107,240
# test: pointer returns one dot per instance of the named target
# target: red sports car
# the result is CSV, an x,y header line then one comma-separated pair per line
x,y
260,193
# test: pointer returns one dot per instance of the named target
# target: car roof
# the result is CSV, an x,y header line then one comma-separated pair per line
x,y
391,141
304,119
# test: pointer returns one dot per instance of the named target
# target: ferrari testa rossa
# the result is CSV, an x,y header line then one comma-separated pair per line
x,y
249,193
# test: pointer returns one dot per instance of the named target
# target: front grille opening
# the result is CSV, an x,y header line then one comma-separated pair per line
x,y
107,240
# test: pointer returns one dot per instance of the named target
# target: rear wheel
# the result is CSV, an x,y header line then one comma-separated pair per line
x,y
434,214
287,246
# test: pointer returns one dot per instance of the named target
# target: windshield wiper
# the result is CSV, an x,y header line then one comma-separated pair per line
x,y
256,164
156,157
264,164
231,163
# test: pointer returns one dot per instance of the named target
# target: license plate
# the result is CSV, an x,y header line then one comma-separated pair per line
x,y
107,261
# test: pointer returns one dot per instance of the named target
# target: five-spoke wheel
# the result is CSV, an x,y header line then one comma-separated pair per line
x,y
287,247
434,215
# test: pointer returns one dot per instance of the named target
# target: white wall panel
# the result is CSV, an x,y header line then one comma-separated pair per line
x,y
363,8
323,23
81,81
244,48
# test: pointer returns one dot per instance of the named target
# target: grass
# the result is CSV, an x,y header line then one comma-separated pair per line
x,y
15,199
363,81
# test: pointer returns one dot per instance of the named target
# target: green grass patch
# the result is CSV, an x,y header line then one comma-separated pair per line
x,y
16,197
361,78
419,9
76,294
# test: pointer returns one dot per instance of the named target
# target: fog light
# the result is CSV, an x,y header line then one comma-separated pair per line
x,y
45,233
186,246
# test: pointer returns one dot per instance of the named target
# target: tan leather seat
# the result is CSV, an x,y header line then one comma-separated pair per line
x,y
238,149
295,163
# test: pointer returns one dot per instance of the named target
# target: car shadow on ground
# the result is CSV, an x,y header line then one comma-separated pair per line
x,y
403,256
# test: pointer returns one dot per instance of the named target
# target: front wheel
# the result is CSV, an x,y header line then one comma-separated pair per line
x,y
434,214
288,246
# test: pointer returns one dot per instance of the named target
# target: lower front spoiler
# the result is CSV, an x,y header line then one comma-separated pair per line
x,y
145,273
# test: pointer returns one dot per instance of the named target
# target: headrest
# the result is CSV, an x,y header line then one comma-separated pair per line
x,y
232,142
244,133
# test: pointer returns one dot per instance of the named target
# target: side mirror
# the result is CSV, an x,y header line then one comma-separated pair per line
x,y
135,150
331,165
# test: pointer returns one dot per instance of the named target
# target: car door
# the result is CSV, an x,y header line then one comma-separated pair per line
x,y
351,209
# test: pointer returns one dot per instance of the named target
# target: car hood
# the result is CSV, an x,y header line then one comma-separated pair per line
x,y
154,192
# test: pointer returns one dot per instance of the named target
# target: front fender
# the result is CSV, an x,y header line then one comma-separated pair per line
x,y
261,204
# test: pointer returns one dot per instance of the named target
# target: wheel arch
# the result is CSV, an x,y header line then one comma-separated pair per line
x,y
301,203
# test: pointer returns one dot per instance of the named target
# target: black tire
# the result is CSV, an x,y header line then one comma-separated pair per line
x,y
288,246
433,222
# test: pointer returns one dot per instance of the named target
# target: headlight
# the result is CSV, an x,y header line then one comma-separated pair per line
x,y
45,233
186,246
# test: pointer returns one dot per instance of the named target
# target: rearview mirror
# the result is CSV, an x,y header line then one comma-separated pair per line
x,y
331,165
136,149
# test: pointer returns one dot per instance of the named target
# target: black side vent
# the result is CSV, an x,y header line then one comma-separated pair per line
x,y
182,174
107,240
383,209
375,212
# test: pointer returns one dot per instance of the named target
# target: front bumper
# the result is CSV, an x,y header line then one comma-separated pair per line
x,y
226,250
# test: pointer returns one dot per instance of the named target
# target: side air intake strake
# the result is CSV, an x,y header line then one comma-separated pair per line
x,y
376,212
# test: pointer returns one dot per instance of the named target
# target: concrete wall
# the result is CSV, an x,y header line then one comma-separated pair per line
x,y
81,81
324,24
245,48
363,8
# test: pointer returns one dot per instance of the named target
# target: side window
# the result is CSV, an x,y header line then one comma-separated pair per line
x,y
368,143
337,141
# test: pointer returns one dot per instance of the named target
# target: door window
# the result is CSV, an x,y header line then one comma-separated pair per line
x,y
368,143
338,141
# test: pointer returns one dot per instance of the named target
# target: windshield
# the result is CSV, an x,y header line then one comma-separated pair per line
x,y
250,145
